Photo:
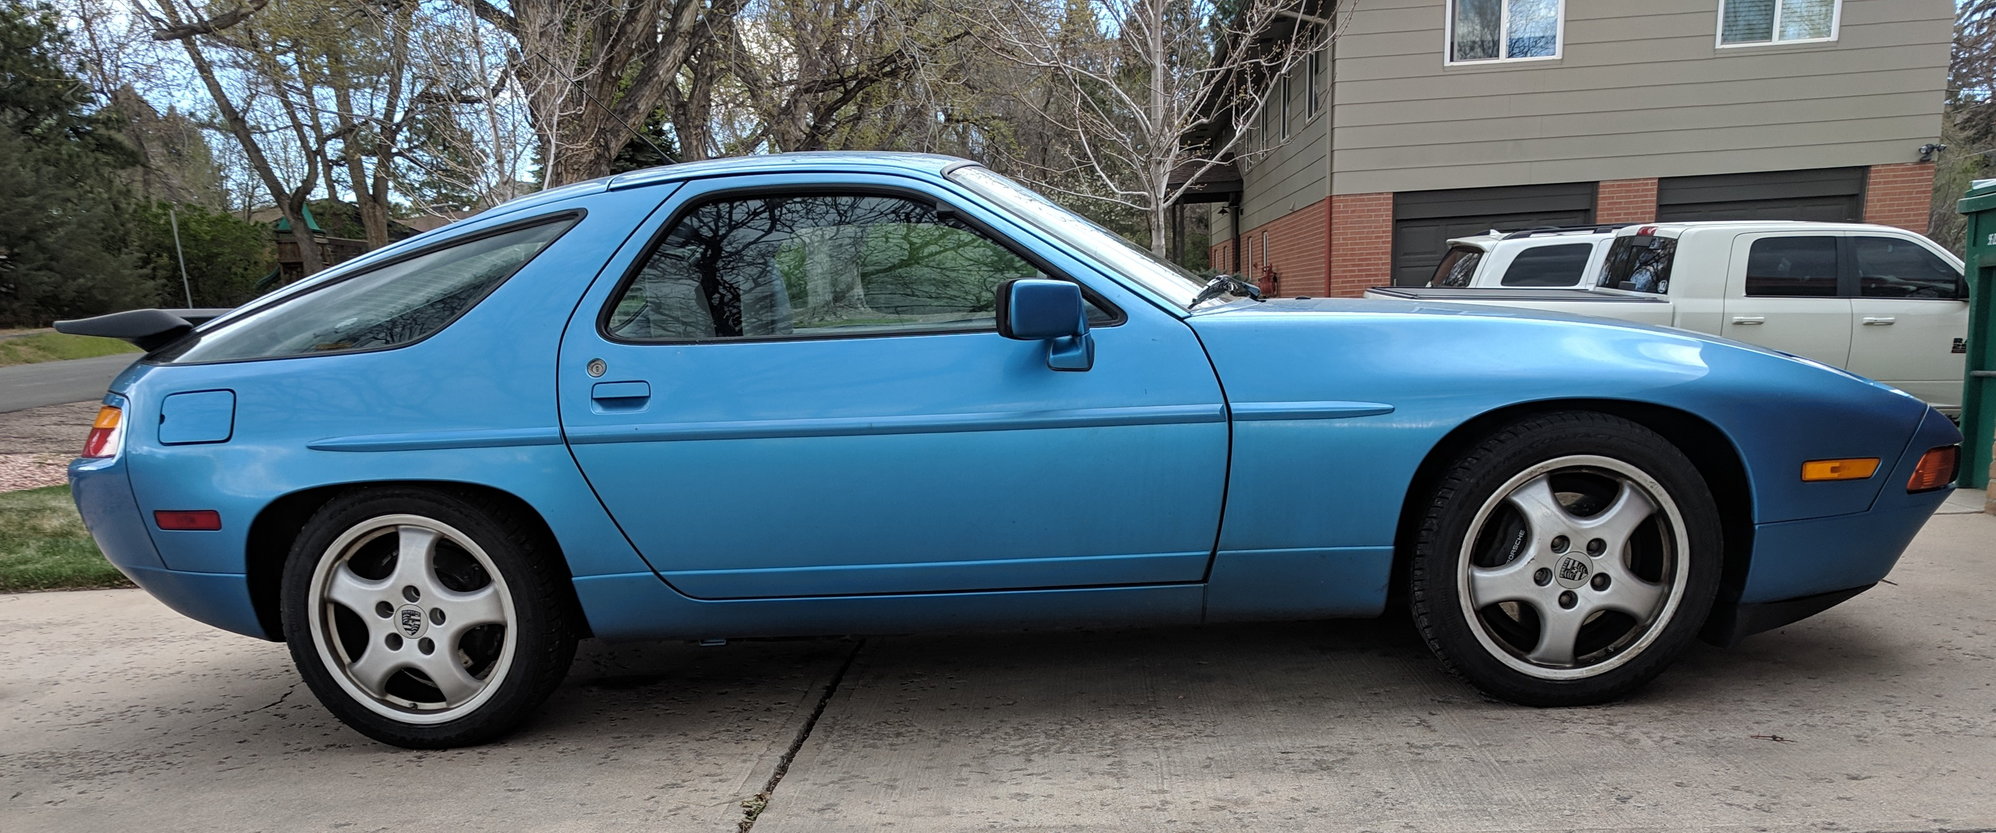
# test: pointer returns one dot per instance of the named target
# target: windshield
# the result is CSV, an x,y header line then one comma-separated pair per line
x,y
1160,276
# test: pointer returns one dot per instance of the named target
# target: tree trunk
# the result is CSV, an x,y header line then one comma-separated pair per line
x,y
308,249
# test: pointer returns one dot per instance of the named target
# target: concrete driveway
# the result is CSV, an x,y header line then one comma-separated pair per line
x,y
1879,715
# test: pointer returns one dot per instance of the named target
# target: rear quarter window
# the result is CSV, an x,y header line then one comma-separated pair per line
x,y
1638,263
396,304
1559,265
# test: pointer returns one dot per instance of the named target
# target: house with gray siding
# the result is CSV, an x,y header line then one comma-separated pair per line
x,y
1431,119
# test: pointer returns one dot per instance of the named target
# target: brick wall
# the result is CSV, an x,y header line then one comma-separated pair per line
x,y
1293,263
1625,201
1361,243
1900,195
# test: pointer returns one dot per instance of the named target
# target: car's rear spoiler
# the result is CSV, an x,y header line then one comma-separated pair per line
x,y
150,329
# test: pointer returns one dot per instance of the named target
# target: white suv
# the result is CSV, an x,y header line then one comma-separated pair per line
x,y
1539,258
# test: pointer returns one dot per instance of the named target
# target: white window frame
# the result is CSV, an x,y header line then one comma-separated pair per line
x,y
1503,37
1774,32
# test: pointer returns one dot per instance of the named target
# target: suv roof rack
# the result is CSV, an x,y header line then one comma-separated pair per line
x,y
1599,228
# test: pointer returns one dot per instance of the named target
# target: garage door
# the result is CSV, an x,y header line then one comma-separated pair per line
x,y
1423,221
1828,195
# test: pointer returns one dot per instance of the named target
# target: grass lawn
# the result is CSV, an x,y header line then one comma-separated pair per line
x,y
43,545
49,346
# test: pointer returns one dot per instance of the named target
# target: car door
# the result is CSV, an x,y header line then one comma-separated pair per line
x,y
1909,311
1782,292
798,389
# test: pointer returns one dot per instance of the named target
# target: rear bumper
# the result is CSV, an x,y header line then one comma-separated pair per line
x,y
103,493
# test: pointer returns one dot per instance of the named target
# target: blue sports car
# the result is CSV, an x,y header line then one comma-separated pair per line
x,y
843,393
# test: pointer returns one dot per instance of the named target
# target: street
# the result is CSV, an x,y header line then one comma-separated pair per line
x,y
1877,715
52,383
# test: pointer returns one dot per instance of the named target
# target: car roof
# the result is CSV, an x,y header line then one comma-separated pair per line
x,y
853,161
1756,225
1492,238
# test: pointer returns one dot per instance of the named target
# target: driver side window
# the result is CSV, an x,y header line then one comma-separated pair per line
x,y
814,265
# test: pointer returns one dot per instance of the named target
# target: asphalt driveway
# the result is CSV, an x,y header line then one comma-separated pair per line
x,y
1879,715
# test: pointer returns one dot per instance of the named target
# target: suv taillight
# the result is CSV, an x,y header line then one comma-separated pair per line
x,y
106,434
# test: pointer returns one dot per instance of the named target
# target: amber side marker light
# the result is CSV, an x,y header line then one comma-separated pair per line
x,y
1854,468
1936,469
104,433
200,520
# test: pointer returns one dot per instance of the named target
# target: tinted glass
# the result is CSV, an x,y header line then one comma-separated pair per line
x,y
1889,267
1639,263
390,306
814,266
1746,21
1478,25
1803,267
1549,265
1128,259
1457,267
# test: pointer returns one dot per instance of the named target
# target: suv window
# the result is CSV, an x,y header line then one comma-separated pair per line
x,y
389,306
1549,265
1891,267
816,265
1792,267
1457,267
1639,263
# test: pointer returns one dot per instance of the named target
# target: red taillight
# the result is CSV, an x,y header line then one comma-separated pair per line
x,y
1936,469
203,520
1646,231
104,433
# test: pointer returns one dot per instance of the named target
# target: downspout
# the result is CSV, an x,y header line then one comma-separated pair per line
x,y
1234,221
1330,149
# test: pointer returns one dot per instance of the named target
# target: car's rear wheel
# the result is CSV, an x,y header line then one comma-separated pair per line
x,y
425,619
1565,559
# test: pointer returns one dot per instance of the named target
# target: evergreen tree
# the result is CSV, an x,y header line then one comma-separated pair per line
x,y
64,240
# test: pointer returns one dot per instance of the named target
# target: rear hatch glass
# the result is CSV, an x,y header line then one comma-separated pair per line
x,y
1457,267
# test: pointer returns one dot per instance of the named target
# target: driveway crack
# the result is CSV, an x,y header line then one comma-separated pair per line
x,y
752,807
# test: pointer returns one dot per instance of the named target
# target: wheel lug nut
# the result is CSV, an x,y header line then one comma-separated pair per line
x,y
427,645
1543,577
436,616
384,609
1596,547
1559,543
1600,581
394,642
1568,600
412,594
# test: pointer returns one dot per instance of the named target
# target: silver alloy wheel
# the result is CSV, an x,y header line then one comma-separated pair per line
x,y
412,618
1573,567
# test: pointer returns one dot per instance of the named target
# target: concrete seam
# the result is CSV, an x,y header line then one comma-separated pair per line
x,y
752,808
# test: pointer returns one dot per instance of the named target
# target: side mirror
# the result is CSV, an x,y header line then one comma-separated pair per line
x,y
1037,309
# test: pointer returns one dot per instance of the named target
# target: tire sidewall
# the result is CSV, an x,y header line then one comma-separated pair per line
x,y
1439,553
539,630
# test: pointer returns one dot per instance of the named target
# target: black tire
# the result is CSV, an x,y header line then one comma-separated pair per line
x,y
1499,577
492,603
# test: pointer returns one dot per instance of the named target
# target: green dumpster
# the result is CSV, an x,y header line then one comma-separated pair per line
x,y
1978,396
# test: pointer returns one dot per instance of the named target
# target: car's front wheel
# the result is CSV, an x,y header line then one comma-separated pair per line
x,y
425,619
1565,559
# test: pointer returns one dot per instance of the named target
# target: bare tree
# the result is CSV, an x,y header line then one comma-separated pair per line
x,y
172,22
1137,86
591,70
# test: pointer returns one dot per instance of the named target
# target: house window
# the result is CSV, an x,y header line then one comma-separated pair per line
x,y
1316,70
1504,30
1755,22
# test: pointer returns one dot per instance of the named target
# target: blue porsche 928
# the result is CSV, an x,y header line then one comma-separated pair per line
x,y
847,393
